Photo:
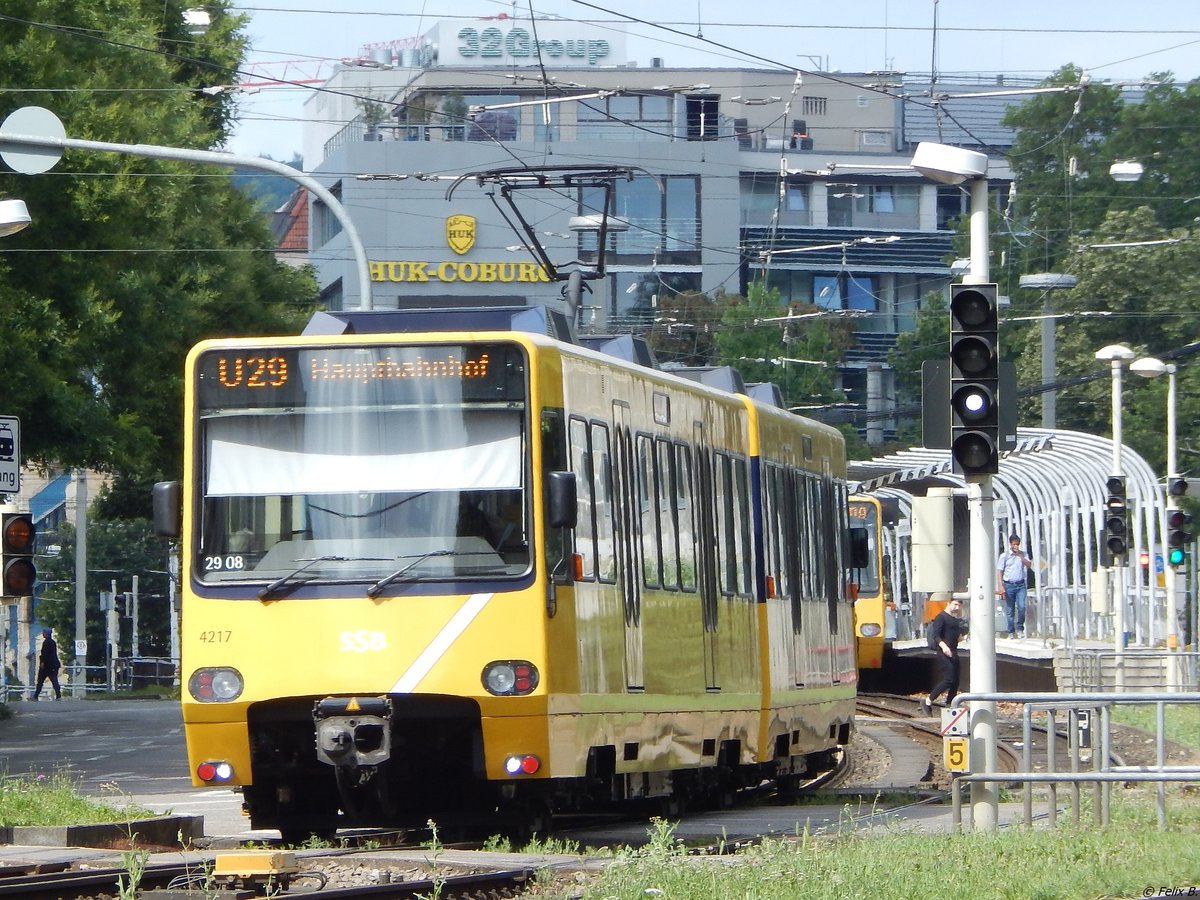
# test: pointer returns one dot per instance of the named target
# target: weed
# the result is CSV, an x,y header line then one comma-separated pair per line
x,y
134,863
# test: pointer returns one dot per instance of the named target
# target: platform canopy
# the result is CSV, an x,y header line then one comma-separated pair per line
x,y
1051,491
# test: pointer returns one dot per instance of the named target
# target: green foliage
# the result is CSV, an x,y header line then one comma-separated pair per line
x,y
129,261
1182,720
52,799
1146,296
684,328
762,349
1121,860
117,550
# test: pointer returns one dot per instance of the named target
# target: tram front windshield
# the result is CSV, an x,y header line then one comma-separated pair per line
x,y
346,464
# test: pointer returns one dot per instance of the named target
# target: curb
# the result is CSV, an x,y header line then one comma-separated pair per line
x,y
159,831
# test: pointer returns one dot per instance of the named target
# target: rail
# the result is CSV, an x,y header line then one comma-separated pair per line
x,y
124,674
1081,710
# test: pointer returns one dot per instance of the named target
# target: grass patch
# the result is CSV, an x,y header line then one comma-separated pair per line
x,y
1125,859
39,799
1181,720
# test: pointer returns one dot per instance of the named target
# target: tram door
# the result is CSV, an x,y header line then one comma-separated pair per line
x,y
706,551
628,544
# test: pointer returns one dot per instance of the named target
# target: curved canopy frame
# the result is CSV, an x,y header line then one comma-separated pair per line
x,y
1051,491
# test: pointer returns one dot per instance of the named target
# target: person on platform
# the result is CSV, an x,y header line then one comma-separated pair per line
x,y
946,630
1011,569
48,665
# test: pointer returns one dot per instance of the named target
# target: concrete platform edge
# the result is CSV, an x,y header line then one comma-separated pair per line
x,y
158,831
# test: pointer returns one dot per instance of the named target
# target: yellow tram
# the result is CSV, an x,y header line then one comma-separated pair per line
x,y
437,567
868,581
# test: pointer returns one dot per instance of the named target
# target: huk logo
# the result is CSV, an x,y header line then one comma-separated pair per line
x,y
460,233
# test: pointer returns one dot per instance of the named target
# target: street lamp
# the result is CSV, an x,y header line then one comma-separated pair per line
x,y
1047,282
954,165
14,217
1117,355
1150,367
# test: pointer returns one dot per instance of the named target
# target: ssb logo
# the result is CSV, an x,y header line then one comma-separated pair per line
x,y
460,233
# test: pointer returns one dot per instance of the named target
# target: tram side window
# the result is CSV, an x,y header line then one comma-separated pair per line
x,y
606,560
585,529
803,499
554,459
741,486
665,478
726,552
816,518
647,504
685,510
793,542
829,555
772,529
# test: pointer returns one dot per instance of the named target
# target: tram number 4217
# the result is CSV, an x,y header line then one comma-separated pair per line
x,y
956,754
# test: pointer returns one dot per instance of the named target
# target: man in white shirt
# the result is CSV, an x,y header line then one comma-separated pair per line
x,y
1010,584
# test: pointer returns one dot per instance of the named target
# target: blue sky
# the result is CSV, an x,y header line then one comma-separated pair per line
x,y
300,38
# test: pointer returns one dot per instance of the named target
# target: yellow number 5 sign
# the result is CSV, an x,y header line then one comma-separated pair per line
x,y
956,753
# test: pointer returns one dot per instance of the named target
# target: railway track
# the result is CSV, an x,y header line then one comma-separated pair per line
x,y
908,715
177,882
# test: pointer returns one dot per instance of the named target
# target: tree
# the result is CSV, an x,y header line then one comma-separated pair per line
x,y
799,356
928,341
116,551
1145,296
1060,162
683,331
130,261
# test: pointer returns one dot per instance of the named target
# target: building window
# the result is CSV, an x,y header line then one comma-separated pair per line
x,y
797,197
951,200
493,124
663,216
610,117
887,199
327,224
703,115
332,298
846,290
813,106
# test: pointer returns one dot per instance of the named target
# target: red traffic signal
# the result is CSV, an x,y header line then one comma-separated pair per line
x,y
17,534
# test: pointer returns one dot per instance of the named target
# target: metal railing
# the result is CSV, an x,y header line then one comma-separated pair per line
x,y
125,674
1081,708
1172,670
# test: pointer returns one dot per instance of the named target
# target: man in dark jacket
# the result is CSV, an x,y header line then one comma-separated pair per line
x,y
945,631
48,665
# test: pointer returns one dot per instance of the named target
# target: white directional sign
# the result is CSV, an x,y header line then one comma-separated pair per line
x,y
10,454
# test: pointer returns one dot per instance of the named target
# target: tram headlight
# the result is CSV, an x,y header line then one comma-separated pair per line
x,y
216,685
870,629
510,677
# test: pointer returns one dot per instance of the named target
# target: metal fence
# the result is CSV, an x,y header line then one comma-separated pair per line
x,y
123,674
1101,773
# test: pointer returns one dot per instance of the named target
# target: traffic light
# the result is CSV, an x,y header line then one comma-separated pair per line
x,y
974,379
1178,537
17,533
1116,519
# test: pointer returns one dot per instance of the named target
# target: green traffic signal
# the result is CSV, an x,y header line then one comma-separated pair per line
x,y
1176,556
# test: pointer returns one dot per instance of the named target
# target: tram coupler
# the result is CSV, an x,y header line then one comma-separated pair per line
x,y
353,731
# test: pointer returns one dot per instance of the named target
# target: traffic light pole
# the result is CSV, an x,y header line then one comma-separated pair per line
x,y
984,795
1118,364
1170,570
